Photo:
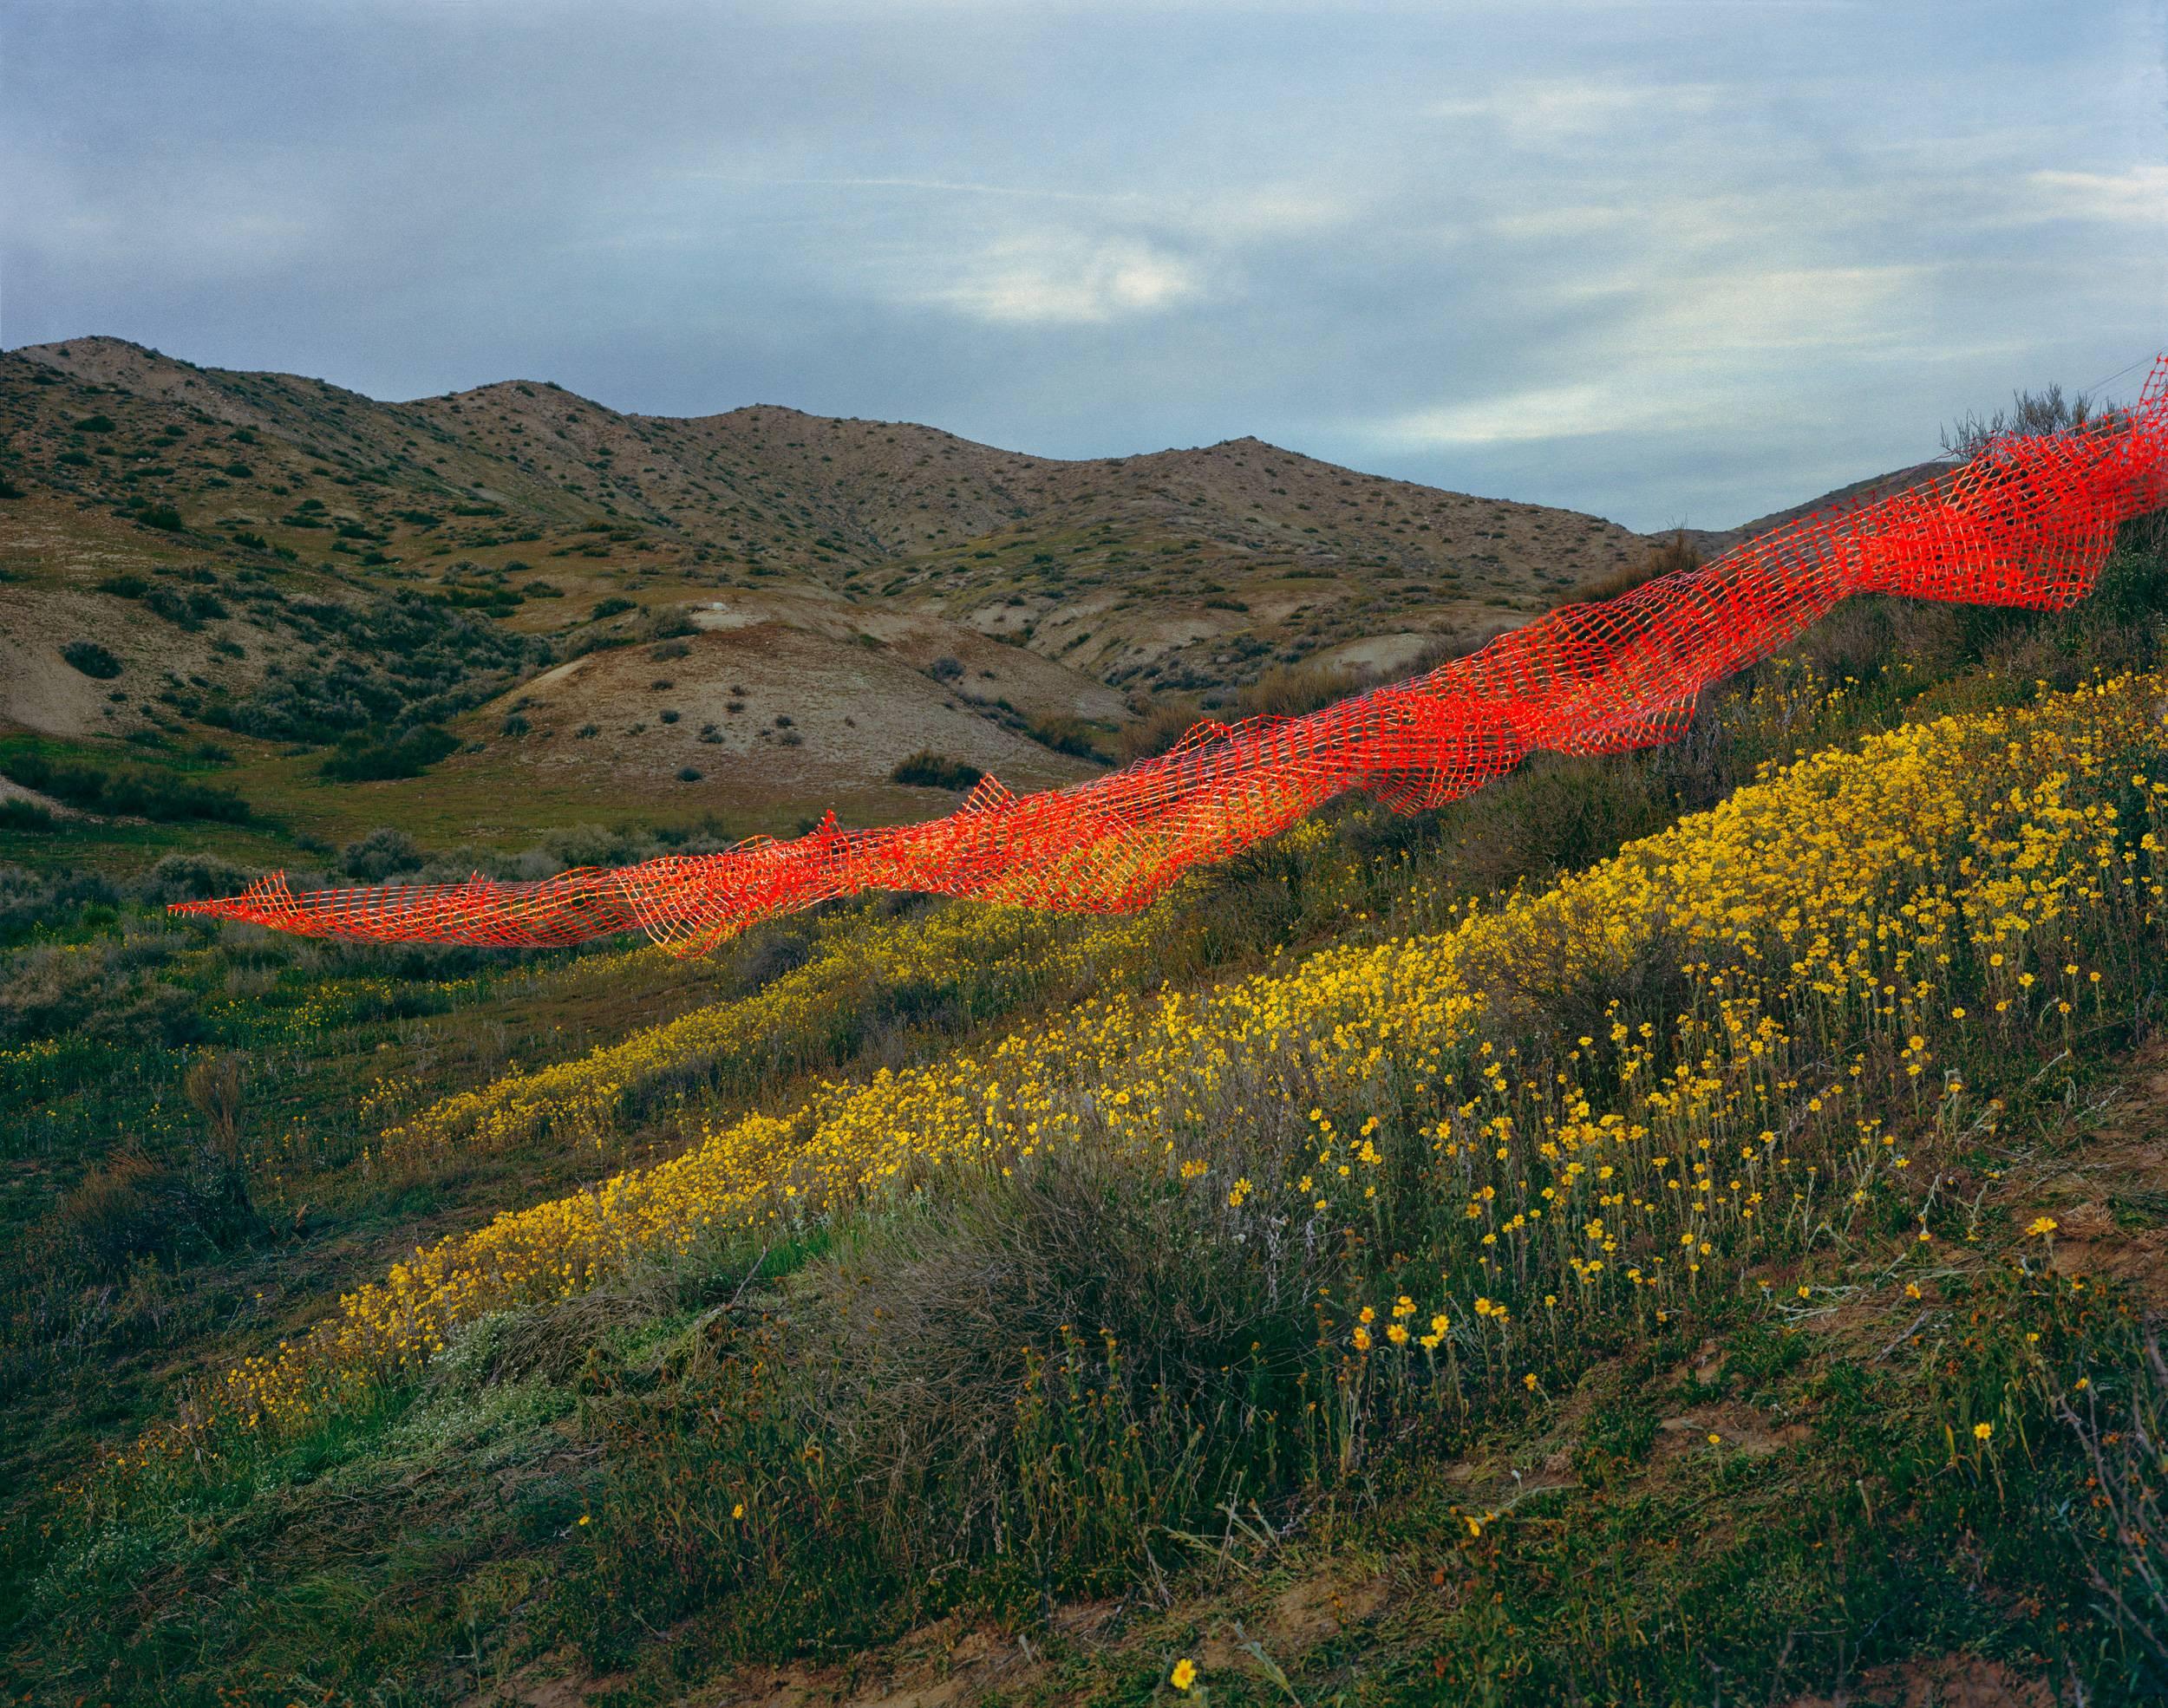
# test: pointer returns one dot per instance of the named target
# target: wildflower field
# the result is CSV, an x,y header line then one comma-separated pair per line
x,y
1831,923
1557,1247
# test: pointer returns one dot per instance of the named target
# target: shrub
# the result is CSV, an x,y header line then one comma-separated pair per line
x,y
92,660
150,794
687,774
24,816
1289,691
139,794
370,761
2032,415
1054,1369
1671,555
191,878
945,669
1165,724
29,900
1067,735
162,515
123,1209
95,424
171,606
213,1084
934,770
376,856
610,607
80,785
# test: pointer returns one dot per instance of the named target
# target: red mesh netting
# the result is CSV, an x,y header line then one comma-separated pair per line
x,y
2028,523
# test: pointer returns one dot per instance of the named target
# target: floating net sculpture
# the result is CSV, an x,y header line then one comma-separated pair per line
x,y
2026,523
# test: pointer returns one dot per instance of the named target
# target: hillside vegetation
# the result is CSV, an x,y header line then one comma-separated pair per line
x,y
520,601
1682,1228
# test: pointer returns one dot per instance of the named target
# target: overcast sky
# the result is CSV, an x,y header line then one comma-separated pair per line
x,y
1685,260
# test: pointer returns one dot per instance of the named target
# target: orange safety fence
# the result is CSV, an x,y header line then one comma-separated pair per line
x,y
2026,523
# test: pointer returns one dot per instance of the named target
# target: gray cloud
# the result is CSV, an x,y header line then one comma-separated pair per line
x,y
1663,261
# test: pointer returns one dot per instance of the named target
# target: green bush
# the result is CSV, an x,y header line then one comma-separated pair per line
x,y
384,852
1067,735
380,759
1020,1390
92,660
173,607
933,770
191,878
142,794
24,816
403,661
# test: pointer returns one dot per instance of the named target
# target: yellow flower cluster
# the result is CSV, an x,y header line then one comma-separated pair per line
x,y
1841,898
988,959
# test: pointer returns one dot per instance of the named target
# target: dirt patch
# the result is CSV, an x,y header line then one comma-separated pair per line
x,y
2111,1197
538,1684
1947,1681
943,1664
1384,655
1739,1429
771,710
1307,1613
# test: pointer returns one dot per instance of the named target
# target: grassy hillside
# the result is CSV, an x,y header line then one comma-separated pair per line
x,y
1588,1242
531,599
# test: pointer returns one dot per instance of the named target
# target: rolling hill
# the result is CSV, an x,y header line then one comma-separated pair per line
x,y
754,614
